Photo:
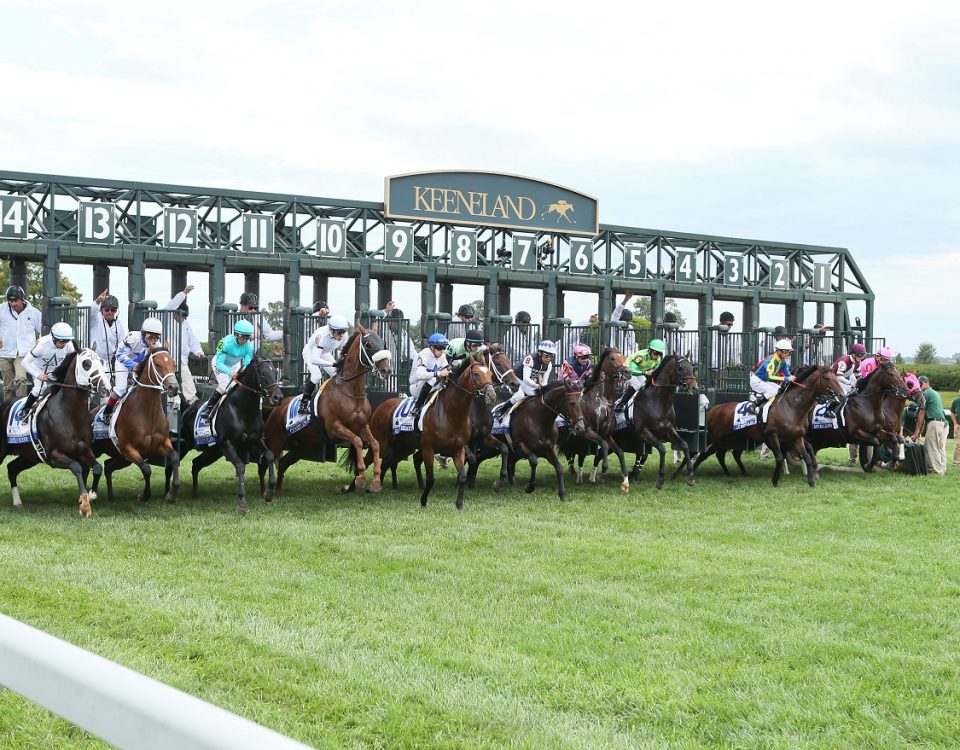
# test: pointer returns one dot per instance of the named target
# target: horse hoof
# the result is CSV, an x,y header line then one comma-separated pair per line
x,y
529,489
170,497
141,498
625,486
85,510
579,479
361,483
691,481
660,483
268,496
242,510
375,488
17,503
423,502
459,504
497,485
92,495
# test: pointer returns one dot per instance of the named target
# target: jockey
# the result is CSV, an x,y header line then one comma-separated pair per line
x,y
642,363
577,367
847,368
536,368
134,348
771,373
45,357
884,354
234,352
106,330
320,354
470,344
428,369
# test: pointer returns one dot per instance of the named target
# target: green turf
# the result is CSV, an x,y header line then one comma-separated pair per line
x,y
729,614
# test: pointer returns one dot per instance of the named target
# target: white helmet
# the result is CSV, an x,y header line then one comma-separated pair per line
x,y
61,331
337,323
152,325
547,347
785,345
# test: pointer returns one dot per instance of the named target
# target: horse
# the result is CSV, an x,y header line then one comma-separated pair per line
x,y
534,433
596,405
64,433
343,413
142,427
786,423
446,426
239,426
871,416
654,417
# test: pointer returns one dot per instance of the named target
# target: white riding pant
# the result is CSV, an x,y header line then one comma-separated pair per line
x,y
38,387
187,387
763,387
223,380
316,372
637,381
120,384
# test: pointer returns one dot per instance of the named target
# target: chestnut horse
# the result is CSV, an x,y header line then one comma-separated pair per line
x,y
142,427
446,426
786,424
343,413
64,433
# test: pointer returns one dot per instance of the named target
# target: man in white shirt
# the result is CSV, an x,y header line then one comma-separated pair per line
x,y
188,343
250,303
20,324
106,330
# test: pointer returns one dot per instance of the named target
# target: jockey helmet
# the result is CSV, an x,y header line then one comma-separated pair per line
x,y
110,301
473,336
547,347
320,305
657,345
15,292
249,299
885,351
243,328
61,331
152,325
522,318
669,317
784,345
438,340
859,349
466,311
337,323
582,350
626,316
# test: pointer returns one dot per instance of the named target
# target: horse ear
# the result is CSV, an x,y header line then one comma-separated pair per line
x,y
363,331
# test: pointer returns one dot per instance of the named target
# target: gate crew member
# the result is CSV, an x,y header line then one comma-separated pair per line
x,y
45,357
577,367
536,371
470,344
134,348
847,367
234,352
320,354
188,344
19,326
642,363
429,368
465,316
106,330
519,337
250,303
771,373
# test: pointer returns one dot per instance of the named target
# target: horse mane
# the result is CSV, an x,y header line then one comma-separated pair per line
x,y
338,365
138,370
550,387
663,361
805,372
60,374
591,382
458,366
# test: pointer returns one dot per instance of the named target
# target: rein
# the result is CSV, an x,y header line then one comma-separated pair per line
x,y
153,371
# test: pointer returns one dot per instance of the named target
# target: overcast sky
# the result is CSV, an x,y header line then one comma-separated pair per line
x,y
821,123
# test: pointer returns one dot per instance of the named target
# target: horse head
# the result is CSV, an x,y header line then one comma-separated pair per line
x,y
613,365
88,372
563,397
159,371
822,381
374,354
501,366
675,370
261,376
476,378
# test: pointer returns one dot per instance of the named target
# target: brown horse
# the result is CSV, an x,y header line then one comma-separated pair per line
x,y
871,416
655,418
343,413
599,393
62,427
142,427
446,426
786,425
534,433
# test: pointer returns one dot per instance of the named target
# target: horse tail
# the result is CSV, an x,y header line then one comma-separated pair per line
x,y
349,460
5,408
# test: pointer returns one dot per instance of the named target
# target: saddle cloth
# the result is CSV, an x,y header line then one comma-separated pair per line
x,y
295,421
17,433
743,416
104,431
820,420
403,415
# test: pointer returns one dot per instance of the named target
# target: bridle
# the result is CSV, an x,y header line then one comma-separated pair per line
x,y
365,361
153,373
478,387
687,381
261,390
491,362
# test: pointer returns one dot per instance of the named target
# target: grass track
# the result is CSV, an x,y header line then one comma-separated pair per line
x,y
728,614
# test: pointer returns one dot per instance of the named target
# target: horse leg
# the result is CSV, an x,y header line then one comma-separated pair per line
x,y
722,459
737,457
60,460
428,461
661,476
287,460
13,471
374,444
624,479
111,465
532,484
202,461
675,440
132,456
774,442
173,459
417,464
554,459
459,459
269,457
230,453
801,447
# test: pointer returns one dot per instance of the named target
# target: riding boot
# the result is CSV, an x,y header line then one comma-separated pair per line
x,y
207,408
306,403
501,409
622,401
418,404
108,409
27,408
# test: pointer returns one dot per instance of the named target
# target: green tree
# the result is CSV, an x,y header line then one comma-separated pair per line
x,y
274,313
478,306
35,284
898,360
642,309
926,354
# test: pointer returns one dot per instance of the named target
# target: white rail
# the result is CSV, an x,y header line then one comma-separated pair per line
x,y
123,707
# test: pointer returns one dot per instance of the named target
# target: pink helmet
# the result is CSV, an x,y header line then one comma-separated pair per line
x,y
859,348
886,351
582,349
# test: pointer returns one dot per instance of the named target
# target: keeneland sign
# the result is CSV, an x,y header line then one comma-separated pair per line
x,y
492,200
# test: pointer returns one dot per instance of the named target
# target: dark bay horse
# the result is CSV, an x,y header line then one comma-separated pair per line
x,y
786,425
871,416
65,435
343,413
534,433
239,426
596,405
446,426
654,417
142,427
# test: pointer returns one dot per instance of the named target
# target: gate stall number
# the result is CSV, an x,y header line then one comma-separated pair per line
x,y
524,256
180,228
13,217
635,261
581,257
463,250
398,247
97,223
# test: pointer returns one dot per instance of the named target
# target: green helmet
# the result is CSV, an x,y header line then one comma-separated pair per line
x,y
657,345
243,327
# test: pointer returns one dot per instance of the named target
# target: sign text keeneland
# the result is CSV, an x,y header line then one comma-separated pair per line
x,y
483,205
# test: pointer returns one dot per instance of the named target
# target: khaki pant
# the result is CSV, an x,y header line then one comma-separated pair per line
x,y
956,447
14,377
187,387
935,446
